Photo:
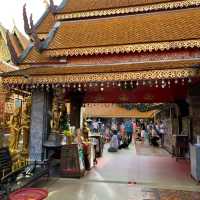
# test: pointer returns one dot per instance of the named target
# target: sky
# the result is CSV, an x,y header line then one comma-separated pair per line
x,y
11,12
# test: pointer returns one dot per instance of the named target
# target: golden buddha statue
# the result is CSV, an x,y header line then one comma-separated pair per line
x,y
25,126
55,121
85,131
14,125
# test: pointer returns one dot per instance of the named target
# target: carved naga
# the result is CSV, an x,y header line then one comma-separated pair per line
x,y
30,29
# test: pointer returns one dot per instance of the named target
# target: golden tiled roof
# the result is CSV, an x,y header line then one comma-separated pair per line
x,y
88,5
34,56
144,8
46,24
172,29
72,10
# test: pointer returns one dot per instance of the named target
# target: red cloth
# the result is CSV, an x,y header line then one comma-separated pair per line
x,y
29,194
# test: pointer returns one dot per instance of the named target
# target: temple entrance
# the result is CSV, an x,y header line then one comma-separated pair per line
x,y
75,104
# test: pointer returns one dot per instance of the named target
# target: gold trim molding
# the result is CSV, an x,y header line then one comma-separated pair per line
x,y
42,36
128,10
123,48
104,77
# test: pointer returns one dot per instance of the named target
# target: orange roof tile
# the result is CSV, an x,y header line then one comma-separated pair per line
x,y
34,56
128,30
46,24
88,5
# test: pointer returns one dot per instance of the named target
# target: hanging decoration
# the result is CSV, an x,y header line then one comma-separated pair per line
x,y
102,86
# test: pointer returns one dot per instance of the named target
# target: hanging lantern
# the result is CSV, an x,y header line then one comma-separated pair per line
x,y
189,80
119,84
85,85
149,82
176,81
137,83
96,84
90,85
79,85
102,89
168,82
108,85
144,82
183,81
74,86
68,85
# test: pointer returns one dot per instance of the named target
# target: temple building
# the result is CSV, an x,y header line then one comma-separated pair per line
x,y
12,44
116,51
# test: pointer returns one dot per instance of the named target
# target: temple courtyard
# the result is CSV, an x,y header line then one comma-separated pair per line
x,y
137,173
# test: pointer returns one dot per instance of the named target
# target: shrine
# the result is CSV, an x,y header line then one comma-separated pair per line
x,y
116,52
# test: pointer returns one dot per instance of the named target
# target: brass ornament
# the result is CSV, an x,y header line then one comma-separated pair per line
x,y
104,77
123,48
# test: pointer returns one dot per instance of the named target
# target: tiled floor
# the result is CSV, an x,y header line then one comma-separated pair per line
x,y
141,173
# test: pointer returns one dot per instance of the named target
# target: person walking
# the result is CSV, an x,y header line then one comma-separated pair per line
x,y
162,133
129,130
114,143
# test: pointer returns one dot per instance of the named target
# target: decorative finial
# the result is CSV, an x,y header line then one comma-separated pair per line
x,y
34,36
52,6
26,23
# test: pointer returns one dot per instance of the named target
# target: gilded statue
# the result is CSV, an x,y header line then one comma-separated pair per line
x,y
55,121
25,126
86,131
14,125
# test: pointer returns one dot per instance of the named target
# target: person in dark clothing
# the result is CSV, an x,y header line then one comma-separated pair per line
x,y
154,137
129,130
123,142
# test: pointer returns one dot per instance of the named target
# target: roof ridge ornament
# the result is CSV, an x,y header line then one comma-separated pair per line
x,y
30,29
52,6
34,36
26,22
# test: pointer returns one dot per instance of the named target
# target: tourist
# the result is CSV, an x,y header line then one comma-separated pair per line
x,y
154,137
114,126
129,130
162,132
114,143
123,141
143,132
95,126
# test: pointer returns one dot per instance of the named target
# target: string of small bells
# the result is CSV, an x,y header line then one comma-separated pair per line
x,y
160,83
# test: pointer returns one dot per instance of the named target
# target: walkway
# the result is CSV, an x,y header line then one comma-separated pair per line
x,y
141,173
